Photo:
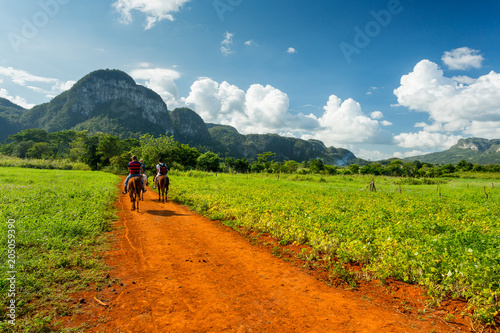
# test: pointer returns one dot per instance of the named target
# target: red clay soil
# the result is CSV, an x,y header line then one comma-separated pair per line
x,y
176,271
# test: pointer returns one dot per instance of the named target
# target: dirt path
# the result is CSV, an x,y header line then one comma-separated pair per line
x,y
174,271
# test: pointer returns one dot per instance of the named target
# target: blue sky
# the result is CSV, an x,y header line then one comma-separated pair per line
x,y
383,78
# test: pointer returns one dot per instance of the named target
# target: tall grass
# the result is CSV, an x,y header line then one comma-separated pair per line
x,y
60,217
11,161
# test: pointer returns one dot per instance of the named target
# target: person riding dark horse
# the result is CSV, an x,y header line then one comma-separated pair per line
x,y
161,169
135,170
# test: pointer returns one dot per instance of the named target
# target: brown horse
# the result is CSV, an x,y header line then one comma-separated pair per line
x,y
134,191
163,183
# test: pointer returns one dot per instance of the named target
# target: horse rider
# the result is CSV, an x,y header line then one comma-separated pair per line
x,y
134,170
161,169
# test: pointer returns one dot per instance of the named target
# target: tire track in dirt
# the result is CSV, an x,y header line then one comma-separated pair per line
x,y
175,271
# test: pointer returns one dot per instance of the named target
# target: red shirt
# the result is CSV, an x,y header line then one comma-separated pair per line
x,y
134,168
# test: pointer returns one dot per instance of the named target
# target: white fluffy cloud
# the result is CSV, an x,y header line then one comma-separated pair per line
x,y
344,122
291,50
155,10
261,109
424,139
265,109
161,80
377,115
470,106
462,58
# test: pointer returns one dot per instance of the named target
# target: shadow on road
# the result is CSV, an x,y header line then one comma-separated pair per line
x,y
165,212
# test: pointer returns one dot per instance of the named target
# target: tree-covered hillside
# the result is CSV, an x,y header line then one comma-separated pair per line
x,y
10,114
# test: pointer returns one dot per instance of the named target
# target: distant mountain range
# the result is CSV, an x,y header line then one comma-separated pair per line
x,y
110,101
473,150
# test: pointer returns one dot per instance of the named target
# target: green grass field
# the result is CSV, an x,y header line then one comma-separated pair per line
x,y
441,233
59,218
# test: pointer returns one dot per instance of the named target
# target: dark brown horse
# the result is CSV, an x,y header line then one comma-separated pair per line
x,y
163,183
134,191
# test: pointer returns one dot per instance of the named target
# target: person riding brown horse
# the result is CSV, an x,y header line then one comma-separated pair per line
x,y
135,170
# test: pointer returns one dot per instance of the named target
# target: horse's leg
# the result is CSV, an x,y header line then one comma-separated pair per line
x,y
166,188
137,199
132,201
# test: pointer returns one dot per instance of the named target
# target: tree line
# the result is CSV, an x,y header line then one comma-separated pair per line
x,y
109,153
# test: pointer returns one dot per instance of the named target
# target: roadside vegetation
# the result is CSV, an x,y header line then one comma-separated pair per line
x,y
38,148
60,217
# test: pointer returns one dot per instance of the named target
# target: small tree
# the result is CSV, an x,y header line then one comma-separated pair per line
x,y
40,150
242,165
316,165
209,162
354,168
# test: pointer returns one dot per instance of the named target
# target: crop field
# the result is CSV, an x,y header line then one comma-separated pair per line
x,y
443,234
51,229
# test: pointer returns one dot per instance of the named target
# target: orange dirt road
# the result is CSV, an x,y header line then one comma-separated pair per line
x,y
175,271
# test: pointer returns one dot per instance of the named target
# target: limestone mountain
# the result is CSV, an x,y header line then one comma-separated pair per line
x,y
106,101
473,150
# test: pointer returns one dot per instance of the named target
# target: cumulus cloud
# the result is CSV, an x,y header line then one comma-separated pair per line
x,y
226,44
155,10
162,81
385,123
377,115
462,58
249,42
261,109
343,122
291,50
265,109
464,105
424,139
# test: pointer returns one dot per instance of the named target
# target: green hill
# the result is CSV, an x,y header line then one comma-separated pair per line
x,y
10,114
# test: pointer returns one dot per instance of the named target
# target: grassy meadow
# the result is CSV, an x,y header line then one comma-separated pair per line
x,y
59,218
441,233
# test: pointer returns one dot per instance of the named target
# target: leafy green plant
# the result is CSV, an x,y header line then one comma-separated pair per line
x,y
60,217
447,243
